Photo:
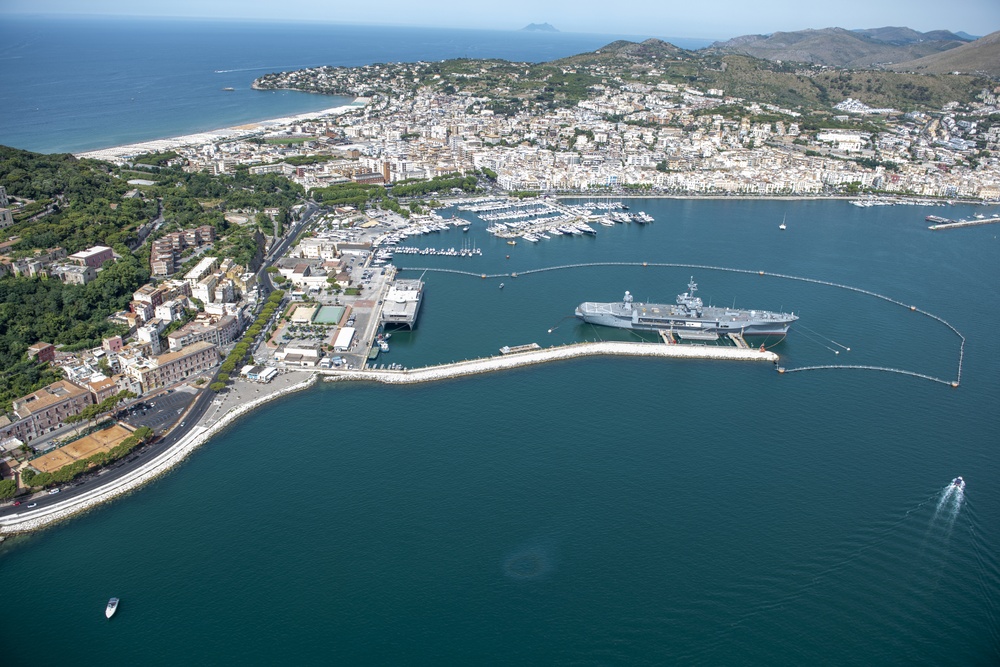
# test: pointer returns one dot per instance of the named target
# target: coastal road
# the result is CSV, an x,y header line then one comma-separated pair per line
x,y
128,464
187,421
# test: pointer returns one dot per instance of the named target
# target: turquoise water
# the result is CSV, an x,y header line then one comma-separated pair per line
x,y
81,84
601,511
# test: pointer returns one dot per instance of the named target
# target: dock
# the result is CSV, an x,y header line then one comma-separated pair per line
x,y
402,304
739,340
955,224
544,355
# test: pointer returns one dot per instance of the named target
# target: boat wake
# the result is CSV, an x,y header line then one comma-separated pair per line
x,y
948,507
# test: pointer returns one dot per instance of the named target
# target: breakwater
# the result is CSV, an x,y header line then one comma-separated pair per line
x,y
784,276
531,357
44,516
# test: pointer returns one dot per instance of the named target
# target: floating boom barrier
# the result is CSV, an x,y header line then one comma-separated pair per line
x,y
770,274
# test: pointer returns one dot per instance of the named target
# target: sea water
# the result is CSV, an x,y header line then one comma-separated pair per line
x,y
74,85
596,511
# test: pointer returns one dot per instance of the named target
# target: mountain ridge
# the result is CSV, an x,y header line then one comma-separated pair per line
x,y
979,57
839,47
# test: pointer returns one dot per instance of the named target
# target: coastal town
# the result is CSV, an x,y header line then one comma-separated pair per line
x,y
640,138
210,330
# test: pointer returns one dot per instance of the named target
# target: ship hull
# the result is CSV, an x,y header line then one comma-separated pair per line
x,y
656,317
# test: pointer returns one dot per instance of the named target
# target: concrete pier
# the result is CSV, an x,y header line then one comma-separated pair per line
x,y
531,357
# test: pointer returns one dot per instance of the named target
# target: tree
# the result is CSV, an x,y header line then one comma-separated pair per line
x,y
217,386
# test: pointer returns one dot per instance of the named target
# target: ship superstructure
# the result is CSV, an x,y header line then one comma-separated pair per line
x,y
688,314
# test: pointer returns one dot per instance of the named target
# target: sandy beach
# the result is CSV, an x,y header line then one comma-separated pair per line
x,y
121,153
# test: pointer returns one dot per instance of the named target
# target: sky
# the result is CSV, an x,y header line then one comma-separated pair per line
x,y
717,19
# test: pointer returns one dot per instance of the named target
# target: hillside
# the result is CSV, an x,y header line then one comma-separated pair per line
x,y
785,84
979,57
836,47
509,88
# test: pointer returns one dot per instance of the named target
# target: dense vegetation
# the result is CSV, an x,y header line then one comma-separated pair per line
x,y
512,87
86,205
239,353
75,204
34,309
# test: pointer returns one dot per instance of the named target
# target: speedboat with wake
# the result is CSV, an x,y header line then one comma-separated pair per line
x,y
958,483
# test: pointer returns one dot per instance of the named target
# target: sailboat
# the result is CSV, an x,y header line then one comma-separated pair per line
x,y
782,226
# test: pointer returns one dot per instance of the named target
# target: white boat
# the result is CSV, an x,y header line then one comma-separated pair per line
x,y
112,607
782,226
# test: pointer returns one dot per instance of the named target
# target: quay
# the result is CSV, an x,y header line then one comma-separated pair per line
x,y
955,224
532,356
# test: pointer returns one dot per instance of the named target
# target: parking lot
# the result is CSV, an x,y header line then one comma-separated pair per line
x,y
161,411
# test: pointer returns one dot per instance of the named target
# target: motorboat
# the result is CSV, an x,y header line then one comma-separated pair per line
x,y
112,607
958,483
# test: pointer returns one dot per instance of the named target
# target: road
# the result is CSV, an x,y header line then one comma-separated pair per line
x,y
194,414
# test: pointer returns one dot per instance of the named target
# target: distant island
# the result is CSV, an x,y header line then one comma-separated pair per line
x,y
540,27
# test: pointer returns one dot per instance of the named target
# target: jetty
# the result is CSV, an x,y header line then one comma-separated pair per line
x,y
539,356
955,224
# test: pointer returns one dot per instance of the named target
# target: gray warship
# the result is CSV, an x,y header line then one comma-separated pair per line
x,y
688,316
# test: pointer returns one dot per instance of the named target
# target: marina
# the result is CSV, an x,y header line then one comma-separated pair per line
x,y
545,218
553,479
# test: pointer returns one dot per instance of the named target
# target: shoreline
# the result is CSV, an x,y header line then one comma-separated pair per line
x,y
165,462
208,427
224,133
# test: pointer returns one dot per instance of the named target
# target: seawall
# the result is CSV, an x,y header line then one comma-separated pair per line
x,y
516,360
165,461
162,463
